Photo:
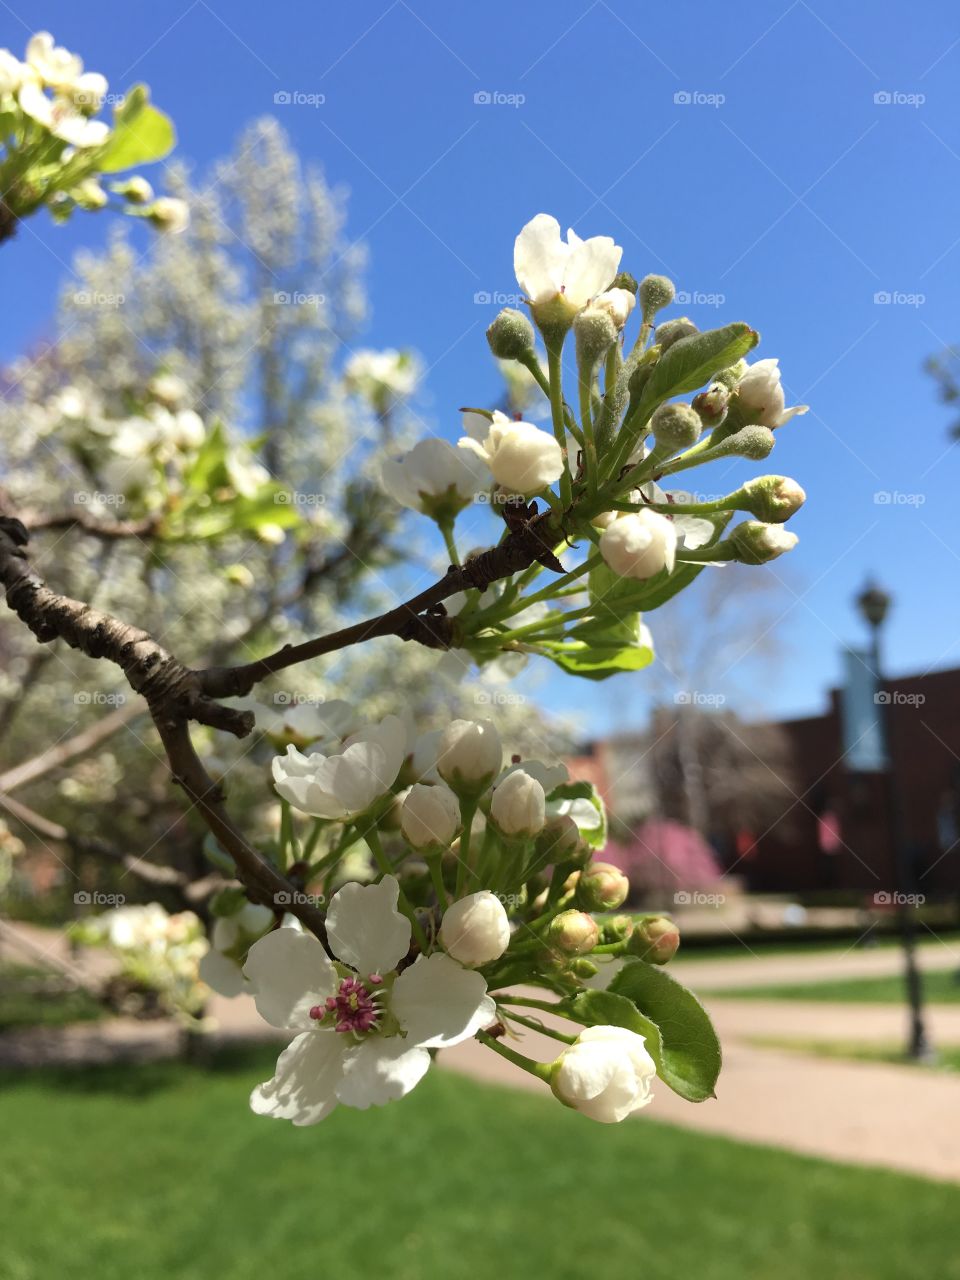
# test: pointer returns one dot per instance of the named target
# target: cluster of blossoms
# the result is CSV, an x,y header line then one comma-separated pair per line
x,y
55,150
487,877
383,377
156,951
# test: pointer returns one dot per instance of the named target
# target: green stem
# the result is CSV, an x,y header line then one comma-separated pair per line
x,y
534,1024
586,417
446,529
467,810
555,367
539,1069
436,878
530,362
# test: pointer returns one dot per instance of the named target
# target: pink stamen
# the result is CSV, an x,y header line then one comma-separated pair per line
x,y
354,1008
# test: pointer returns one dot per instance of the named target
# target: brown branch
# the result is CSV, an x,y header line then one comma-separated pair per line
x,y
36,522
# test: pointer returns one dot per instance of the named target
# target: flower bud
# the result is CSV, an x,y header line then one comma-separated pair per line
x,y
89,194
523,458
595,332
654,939
511,335
573,932
639,544
729,377
475,930
469,756
559,841
135,189
711,405
672,331
606,1074
602,887
518,806
676,426
430,817
656,292
584,968
624,280
773,499
749,442
760,396
756,543
169,214
616,929
617,303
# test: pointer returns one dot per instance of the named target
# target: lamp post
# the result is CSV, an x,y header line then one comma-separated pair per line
x,y
874,605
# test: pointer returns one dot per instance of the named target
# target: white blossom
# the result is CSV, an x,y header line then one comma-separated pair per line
x,y
760,396
383,375
640,544
56,66
469,752
364,1030
618,303
433,475
607,1074
430,816
345,782
168,213
523,458
547,266
475,930
59,116
518,805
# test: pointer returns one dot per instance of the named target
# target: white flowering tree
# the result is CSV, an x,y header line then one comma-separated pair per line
x,y
487,906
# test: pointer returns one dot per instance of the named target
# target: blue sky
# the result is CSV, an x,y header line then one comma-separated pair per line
x,y
783,183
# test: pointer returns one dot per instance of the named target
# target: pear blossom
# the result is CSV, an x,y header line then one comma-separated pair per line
x,y
469,752
606,1074
760,396
364,1030
757,543
577,270
618,303
230,939
167,213
518,805
524,459
61,118
435,478
640,544
57,67
12,73
347,781
383,376
475,930
430,816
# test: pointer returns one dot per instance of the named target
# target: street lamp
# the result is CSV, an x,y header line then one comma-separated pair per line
x,y
874,605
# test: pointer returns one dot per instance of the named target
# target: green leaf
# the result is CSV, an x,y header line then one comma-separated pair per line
x,y
141,134
690,1056
595,660
605,1009
572,798
692,361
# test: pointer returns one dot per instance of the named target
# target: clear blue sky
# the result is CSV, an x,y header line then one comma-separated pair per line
x,y
799,197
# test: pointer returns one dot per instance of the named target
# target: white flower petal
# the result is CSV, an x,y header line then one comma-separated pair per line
x,y
365,928
303,1087
289,972
381,1071
221,974
539,258
439,1003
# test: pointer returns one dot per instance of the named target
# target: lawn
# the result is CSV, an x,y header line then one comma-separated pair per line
x,y
32,997
160,1171
939,987
947,1058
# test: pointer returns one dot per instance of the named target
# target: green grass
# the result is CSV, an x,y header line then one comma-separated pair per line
x,y
34,997
939,987
161,1172
947,1058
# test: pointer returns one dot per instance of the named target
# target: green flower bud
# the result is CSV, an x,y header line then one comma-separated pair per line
x,y
731,376
676,426
511,335
654,939
559,841
602,887
656,292
757,543
89,194
595,333
672,331
748,442
772,499
573,933
712,404
624,280
584,968
135,189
